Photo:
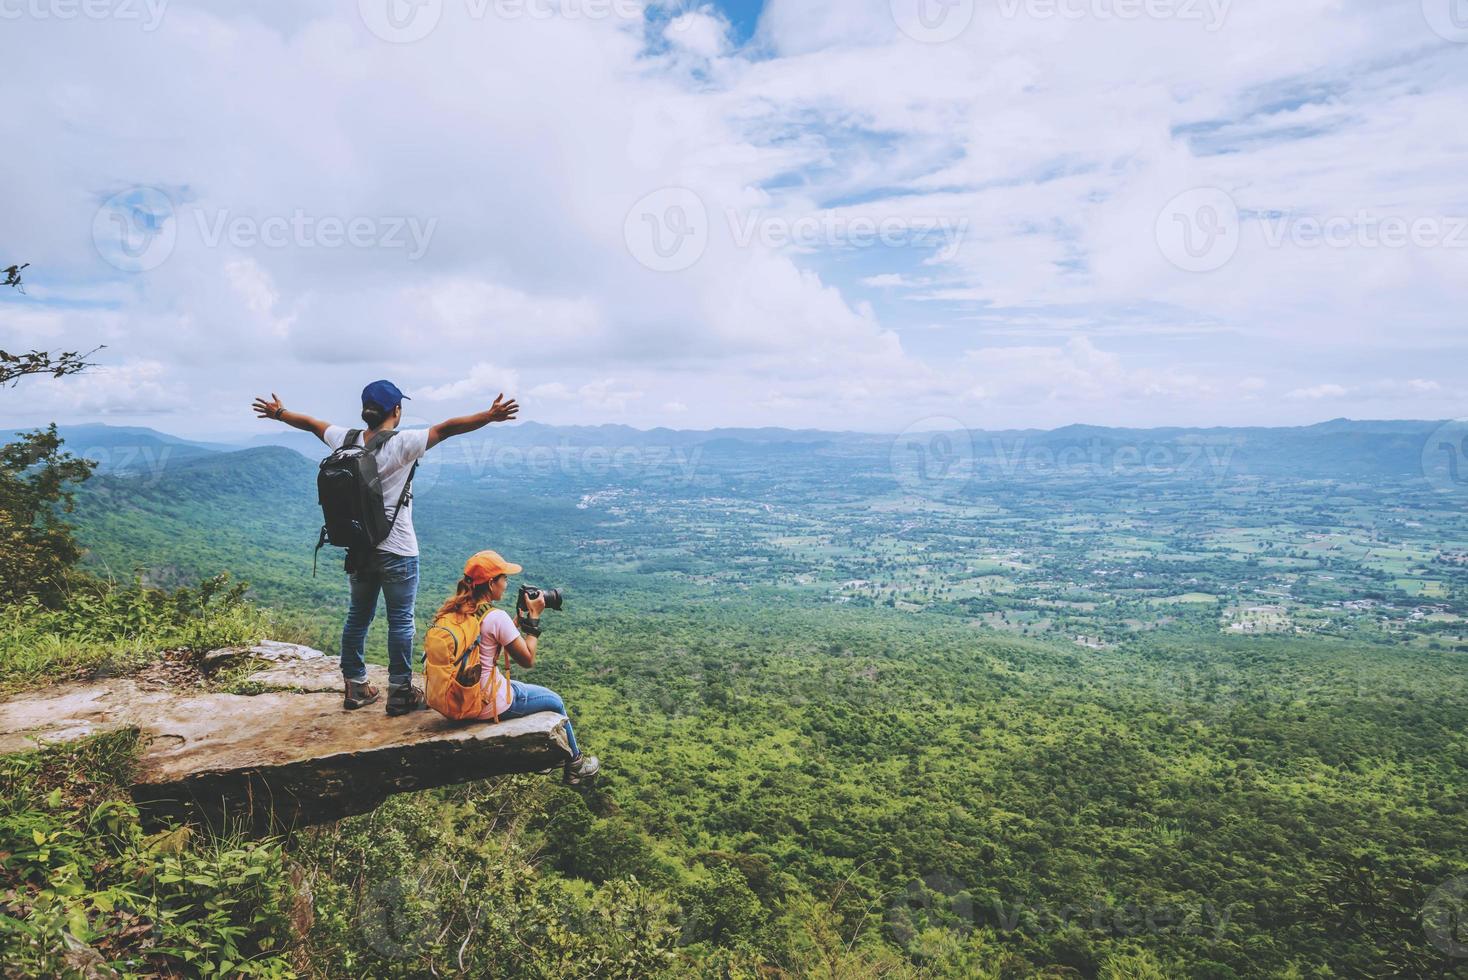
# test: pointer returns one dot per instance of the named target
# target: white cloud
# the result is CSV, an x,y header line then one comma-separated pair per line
x,y
1317,392
484,382
523,142
699,32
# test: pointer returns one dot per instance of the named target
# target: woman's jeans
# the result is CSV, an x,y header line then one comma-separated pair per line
x,y
396,577
531,699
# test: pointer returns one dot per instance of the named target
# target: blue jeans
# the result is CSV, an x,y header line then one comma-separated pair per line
x,y
532,699
396,577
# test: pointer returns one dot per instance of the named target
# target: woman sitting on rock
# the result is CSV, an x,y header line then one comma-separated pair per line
x,y
486,577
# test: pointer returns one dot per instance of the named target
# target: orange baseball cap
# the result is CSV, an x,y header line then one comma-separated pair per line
x,y
488,565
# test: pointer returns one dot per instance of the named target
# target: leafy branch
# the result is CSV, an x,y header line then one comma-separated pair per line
x,y
13,367
12,276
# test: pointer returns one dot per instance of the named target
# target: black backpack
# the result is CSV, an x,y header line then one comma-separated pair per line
x,y
350,491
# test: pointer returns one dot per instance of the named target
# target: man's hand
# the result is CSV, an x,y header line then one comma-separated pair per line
x,y
500,411
271,409
503,411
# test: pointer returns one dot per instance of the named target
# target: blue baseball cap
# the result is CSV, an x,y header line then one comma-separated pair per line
x,y
382,394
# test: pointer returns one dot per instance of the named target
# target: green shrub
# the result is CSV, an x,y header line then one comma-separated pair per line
x,y
102,623
83,888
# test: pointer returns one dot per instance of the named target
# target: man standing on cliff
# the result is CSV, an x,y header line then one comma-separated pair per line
x,y
392,569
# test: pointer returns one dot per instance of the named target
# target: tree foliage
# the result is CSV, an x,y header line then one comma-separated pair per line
x,y
37,545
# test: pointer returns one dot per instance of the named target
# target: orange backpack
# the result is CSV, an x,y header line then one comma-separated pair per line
x,y
452,669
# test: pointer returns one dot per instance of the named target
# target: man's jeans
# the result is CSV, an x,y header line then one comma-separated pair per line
x,y
531,699
396,577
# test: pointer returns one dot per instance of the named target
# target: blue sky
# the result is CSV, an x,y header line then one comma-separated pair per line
x,y
838,213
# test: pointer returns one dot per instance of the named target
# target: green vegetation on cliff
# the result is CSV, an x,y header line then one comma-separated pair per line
x,y
852,733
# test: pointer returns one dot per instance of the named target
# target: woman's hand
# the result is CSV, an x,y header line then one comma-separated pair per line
x,y
534,607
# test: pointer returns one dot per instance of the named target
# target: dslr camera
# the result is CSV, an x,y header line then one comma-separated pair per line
x,y
553,598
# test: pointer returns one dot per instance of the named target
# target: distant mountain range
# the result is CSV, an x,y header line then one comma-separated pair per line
x,y
1340,448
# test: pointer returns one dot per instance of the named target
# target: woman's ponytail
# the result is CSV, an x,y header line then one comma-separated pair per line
x,y
466,598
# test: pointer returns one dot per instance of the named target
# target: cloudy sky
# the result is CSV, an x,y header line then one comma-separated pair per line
x,y
854,214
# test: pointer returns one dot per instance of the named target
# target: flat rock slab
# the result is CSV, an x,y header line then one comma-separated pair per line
x,y
280,758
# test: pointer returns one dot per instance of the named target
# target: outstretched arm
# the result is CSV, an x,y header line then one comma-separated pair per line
x,y
273,409
500,411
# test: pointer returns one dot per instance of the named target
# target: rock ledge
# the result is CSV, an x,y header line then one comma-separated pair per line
x,y
281,758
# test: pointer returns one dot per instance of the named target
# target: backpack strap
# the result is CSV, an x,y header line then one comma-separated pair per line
x,y
374,445
403,498
378,441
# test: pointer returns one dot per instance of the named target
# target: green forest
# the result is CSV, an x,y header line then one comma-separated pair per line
x,y
848,728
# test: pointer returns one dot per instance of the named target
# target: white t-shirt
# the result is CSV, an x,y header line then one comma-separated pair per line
x,y
394,462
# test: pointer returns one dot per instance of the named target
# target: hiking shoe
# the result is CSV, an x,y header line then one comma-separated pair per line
x,y
401,700
359,695
581,769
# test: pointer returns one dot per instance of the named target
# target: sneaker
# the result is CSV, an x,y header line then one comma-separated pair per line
x,y
401,700
359,695
581,769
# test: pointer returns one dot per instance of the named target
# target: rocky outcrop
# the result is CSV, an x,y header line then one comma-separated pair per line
x,y
285,755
